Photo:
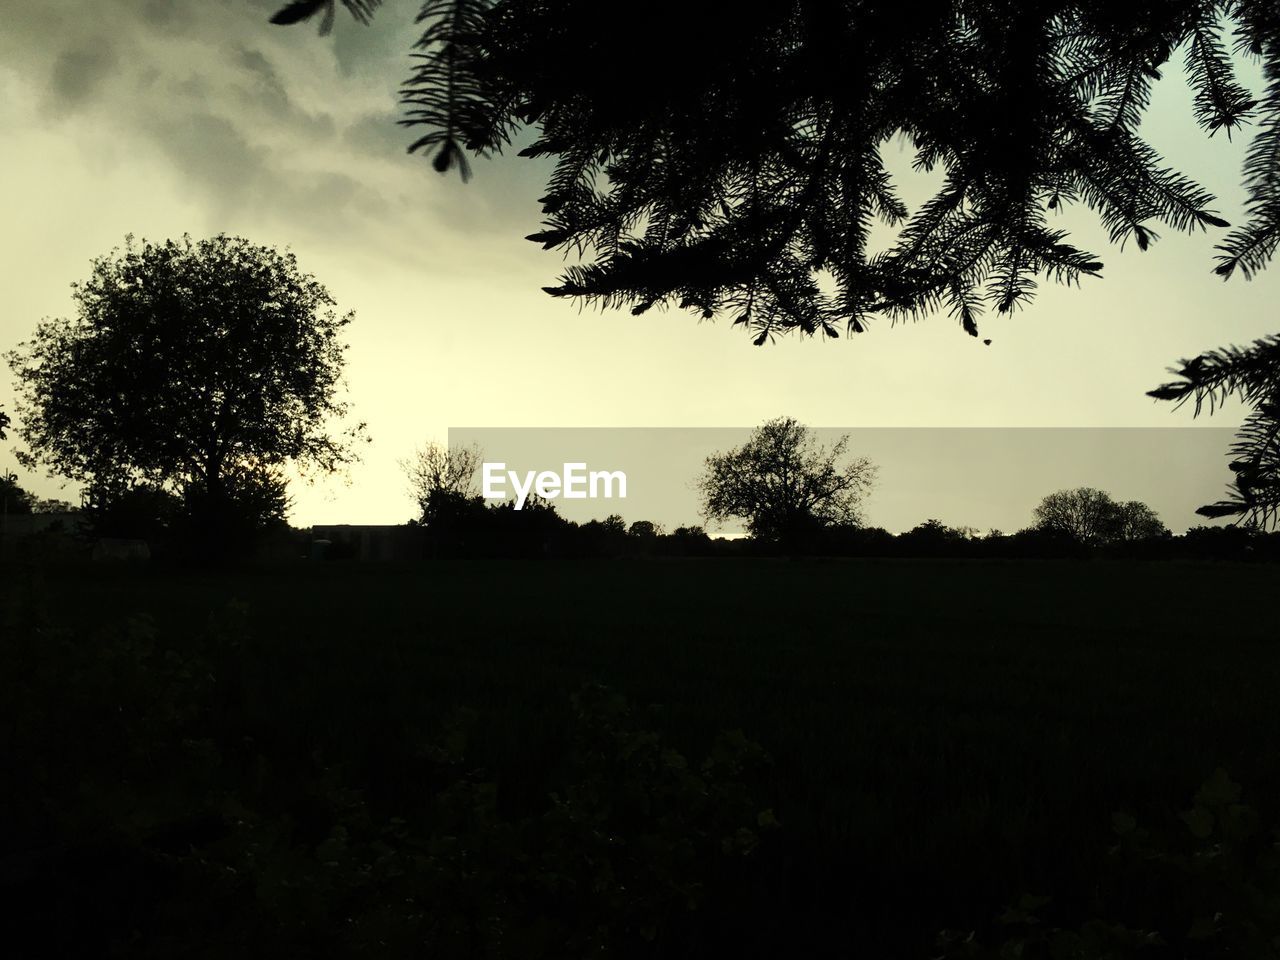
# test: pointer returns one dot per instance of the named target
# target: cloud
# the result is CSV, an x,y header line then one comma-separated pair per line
x,y
78,75
261,91
379,49
266,127
212,155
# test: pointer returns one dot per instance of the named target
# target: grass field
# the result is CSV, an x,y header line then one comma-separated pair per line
x,y
944,736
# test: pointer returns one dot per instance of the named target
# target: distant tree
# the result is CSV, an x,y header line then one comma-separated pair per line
x,y
645,529
1134,520
531,531
1092,518
748,167
1253,374
1085,514
935,538
4,424
53,505
932,528
439,474
198,368
694,532
13,499
690,541
784,484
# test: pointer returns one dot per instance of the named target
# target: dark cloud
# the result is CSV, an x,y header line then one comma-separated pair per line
x,y
379,135
209,152
377,49
265,89
266,122
170,16
78,76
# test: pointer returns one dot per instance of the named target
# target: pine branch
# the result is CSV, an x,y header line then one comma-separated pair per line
x,y
1252,373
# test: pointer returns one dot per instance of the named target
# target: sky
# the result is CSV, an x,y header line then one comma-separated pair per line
x,y
162,117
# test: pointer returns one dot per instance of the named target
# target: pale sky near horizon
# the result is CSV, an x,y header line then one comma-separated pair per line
x,y
157,118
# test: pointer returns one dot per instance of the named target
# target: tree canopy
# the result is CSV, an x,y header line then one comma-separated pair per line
x,y
199,367
743,175
784,483
1092,517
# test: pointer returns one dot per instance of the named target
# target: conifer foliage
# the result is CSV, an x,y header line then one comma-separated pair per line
x,y
1251,374
732,164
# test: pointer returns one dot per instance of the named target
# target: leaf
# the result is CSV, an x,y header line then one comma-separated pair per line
x,y
297,11
1223,508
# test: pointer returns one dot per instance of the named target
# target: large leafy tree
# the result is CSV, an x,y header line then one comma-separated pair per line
x,y
785,484
201,368
744,176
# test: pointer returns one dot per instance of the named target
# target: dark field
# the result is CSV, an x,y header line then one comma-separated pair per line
x,y
945,736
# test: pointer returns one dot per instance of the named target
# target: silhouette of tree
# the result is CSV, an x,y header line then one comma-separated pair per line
x,y
199,368
138,510
438,473
13,499
744,176
645,530
784,484
1092,518
1253,374
1134,520
4,424
52,505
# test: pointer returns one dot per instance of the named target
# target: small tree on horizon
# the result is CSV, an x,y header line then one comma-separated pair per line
x,y
438,473
784,484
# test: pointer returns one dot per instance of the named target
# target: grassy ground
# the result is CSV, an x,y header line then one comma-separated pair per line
x,y
945,735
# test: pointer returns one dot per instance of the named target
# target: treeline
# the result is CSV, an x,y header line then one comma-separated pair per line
x,y
469,528
459,527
